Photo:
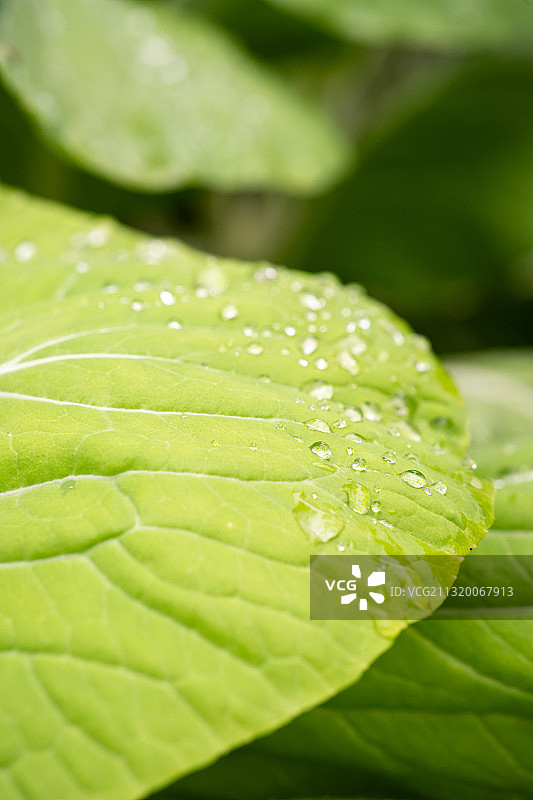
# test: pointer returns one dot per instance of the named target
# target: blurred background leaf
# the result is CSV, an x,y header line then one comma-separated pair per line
x,y
440,24
436,213
440,213
155,98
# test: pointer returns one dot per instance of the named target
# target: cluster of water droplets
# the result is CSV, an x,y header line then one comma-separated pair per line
x,y
331,334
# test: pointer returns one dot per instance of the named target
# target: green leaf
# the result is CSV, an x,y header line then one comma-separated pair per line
x,y
499,388
441,24
178,435
153,98
448,711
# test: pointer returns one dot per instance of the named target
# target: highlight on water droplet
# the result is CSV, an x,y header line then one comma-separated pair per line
x,y
414,478
167,298
322,450
358,497
359,465
309,345
229,312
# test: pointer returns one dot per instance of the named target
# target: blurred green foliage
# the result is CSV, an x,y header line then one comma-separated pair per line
x,y
434,213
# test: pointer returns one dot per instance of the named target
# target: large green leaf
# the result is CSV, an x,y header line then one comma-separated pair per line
x,y
178,435
154,98
440,24
448,712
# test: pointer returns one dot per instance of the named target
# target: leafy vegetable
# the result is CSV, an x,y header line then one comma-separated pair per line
x,y
196,110
441,24
178,435
448,712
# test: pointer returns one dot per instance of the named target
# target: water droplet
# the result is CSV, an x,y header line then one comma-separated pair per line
x,y
309,345
353,414
364,323
422,366
136,306
255,349
414,478
229,312
312,302
266,273
389,456
321,363
322,450
175,325
376,506
318,523
214,443
290,331
320,390
167,298
398,338
302,362
348,362
358,497
25,251
253,446
353,437
359,464
440,487
371,411
318,425
476,483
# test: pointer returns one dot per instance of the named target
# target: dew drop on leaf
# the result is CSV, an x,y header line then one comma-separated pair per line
x,y
318,425
321,449
414,478
229,312
318,523
358,497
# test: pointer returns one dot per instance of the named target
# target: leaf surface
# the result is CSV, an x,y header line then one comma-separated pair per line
x,y
441,24
154,98
448,711
178,435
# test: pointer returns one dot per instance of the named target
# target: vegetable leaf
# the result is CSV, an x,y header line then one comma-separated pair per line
x,y
178,435
441,24
448,712
197,109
